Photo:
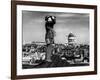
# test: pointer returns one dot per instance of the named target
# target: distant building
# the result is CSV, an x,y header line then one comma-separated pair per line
x,y
71,39
38,43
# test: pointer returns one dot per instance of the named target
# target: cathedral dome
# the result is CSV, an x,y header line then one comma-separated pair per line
x,y
71,35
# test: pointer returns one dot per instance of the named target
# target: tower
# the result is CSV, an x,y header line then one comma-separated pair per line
x,y
71,39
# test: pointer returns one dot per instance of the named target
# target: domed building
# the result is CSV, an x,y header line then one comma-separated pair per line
x,y
71,39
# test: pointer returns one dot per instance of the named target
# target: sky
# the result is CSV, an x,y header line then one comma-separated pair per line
x,y
33,24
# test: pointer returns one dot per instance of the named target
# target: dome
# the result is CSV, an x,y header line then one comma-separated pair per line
x,y
71,35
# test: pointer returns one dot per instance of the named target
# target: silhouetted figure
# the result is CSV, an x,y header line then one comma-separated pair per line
x,y
49,36
49,25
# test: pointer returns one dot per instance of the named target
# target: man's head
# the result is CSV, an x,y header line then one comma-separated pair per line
x,y
51,19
